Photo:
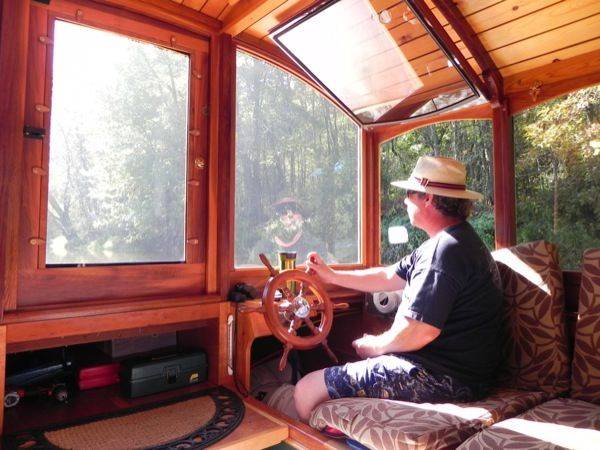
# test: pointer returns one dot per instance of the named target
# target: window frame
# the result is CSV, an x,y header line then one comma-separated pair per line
x,y
275,57
38,284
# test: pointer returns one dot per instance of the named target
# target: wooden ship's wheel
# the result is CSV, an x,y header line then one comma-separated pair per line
x,y
293,299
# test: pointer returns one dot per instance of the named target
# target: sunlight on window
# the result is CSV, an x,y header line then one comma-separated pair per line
x,y
357,57
297,172
118,147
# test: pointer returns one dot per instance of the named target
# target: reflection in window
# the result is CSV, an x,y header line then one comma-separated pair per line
x,y
557,155
470,142
297,170
118,146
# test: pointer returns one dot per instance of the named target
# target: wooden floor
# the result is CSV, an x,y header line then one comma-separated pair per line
x,y
257,431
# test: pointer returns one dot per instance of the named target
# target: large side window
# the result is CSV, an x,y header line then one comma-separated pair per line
x,y
470,142
118,148
297,171
557,163
115,157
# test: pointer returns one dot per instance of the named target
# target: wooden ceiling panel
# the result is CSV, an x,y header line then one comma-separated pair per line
x,y
559,16
214,8
194,4
548,42
559,55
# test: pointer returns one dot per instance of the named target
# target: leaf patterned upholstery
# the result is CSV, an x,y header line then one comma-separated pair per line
x,y
585,384
557,424
535,347
388,424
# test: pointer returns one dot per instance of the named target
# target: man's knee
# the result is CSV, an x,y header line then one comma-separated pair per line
x,y
309,392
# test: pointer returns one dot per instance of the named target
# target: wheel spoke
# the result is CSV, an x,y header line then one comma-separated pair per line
x,y
293,326
311,326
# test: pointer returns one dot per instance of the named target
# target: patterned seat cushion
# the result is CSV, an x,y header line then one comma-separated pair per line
x,y
389,424
535,347
586,359
557,424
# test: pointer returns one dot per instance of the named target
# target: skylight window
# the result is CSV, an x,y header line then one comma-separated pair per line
x,y
376,58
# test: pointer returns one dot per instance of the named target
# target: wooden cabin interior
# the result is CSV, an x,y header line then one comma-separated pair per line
x,y
87,262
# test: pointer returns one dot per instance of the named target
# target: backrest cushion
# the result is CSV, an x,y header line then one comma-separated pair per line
x,y
585,384
535,347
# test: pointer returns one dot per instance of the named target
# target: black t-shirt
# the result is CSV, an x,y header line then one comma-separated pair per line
x,y
453,284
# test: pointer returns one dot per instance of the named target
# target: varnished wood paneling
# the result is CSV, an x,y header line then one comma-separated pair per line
x,y
557,55
385,133
246,13
548,42
552,80
214,8
13,61
79,284
172,12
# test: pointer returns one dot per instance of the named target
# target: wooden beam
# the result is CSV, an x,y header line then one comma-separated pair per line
x,y
226,179
385,133
169,12
13,61
560,77
429,20
504,177
469,38
246,13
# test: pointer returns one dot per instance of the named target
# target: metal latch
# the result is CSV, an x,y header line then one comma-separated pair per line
x,y
171,374
34,132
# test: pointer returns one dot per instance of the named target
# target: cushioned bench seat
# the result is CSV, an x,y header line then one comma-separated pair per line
x,y
559,423
536,367
388,424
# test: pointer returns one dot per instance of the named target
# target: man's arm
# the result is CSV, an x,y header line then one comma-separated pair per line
x,y
367,280
405,335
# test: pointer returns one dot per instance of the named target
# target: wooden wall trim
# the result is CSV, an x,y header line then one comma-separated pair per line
x,y
246,13
171,13
226,181
535,86
212,272
13,61
371,229
389,132
504,177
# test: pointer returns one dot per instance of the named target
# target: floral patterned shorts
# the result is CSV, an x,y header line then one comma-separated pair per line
x,y
395,378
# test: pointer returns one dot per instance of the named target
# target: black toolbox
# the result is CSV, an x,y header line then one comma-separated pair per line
x,y
151,374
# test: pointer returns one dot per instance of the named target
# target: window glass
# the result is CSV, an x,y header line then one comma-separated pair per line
x,y
470,142
297,170
118,147
557,155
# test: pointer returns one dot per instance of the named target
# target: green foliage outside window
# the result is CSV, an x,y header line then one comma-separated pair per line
x,y
297,169
118,150
557,155
468,141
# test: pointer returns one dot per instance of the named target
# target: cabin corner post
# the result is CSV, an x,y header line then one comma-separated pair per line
x,y
371,199
13,63
2,372
504,176
226,156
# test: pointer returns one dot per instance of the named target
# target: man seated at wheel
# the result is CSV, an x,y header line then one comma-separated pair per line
x,y
444,342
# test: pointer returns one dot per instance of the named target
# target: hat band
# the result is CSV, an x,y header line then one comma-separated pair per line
x,y
426,182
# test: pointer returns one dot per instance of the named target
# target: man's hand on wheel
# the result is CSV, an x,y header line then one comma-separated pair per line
x,y
316,265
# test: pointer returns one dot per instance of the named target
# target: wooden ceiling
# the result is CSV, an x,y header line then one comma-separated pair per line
x,y
518,34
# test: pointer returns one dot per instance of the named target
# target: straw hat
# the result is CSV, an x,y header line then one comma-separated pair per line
x,y
439,176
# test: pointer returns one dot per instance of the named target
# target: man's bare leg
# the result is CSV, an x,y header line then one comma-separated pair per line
x,y
310,391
